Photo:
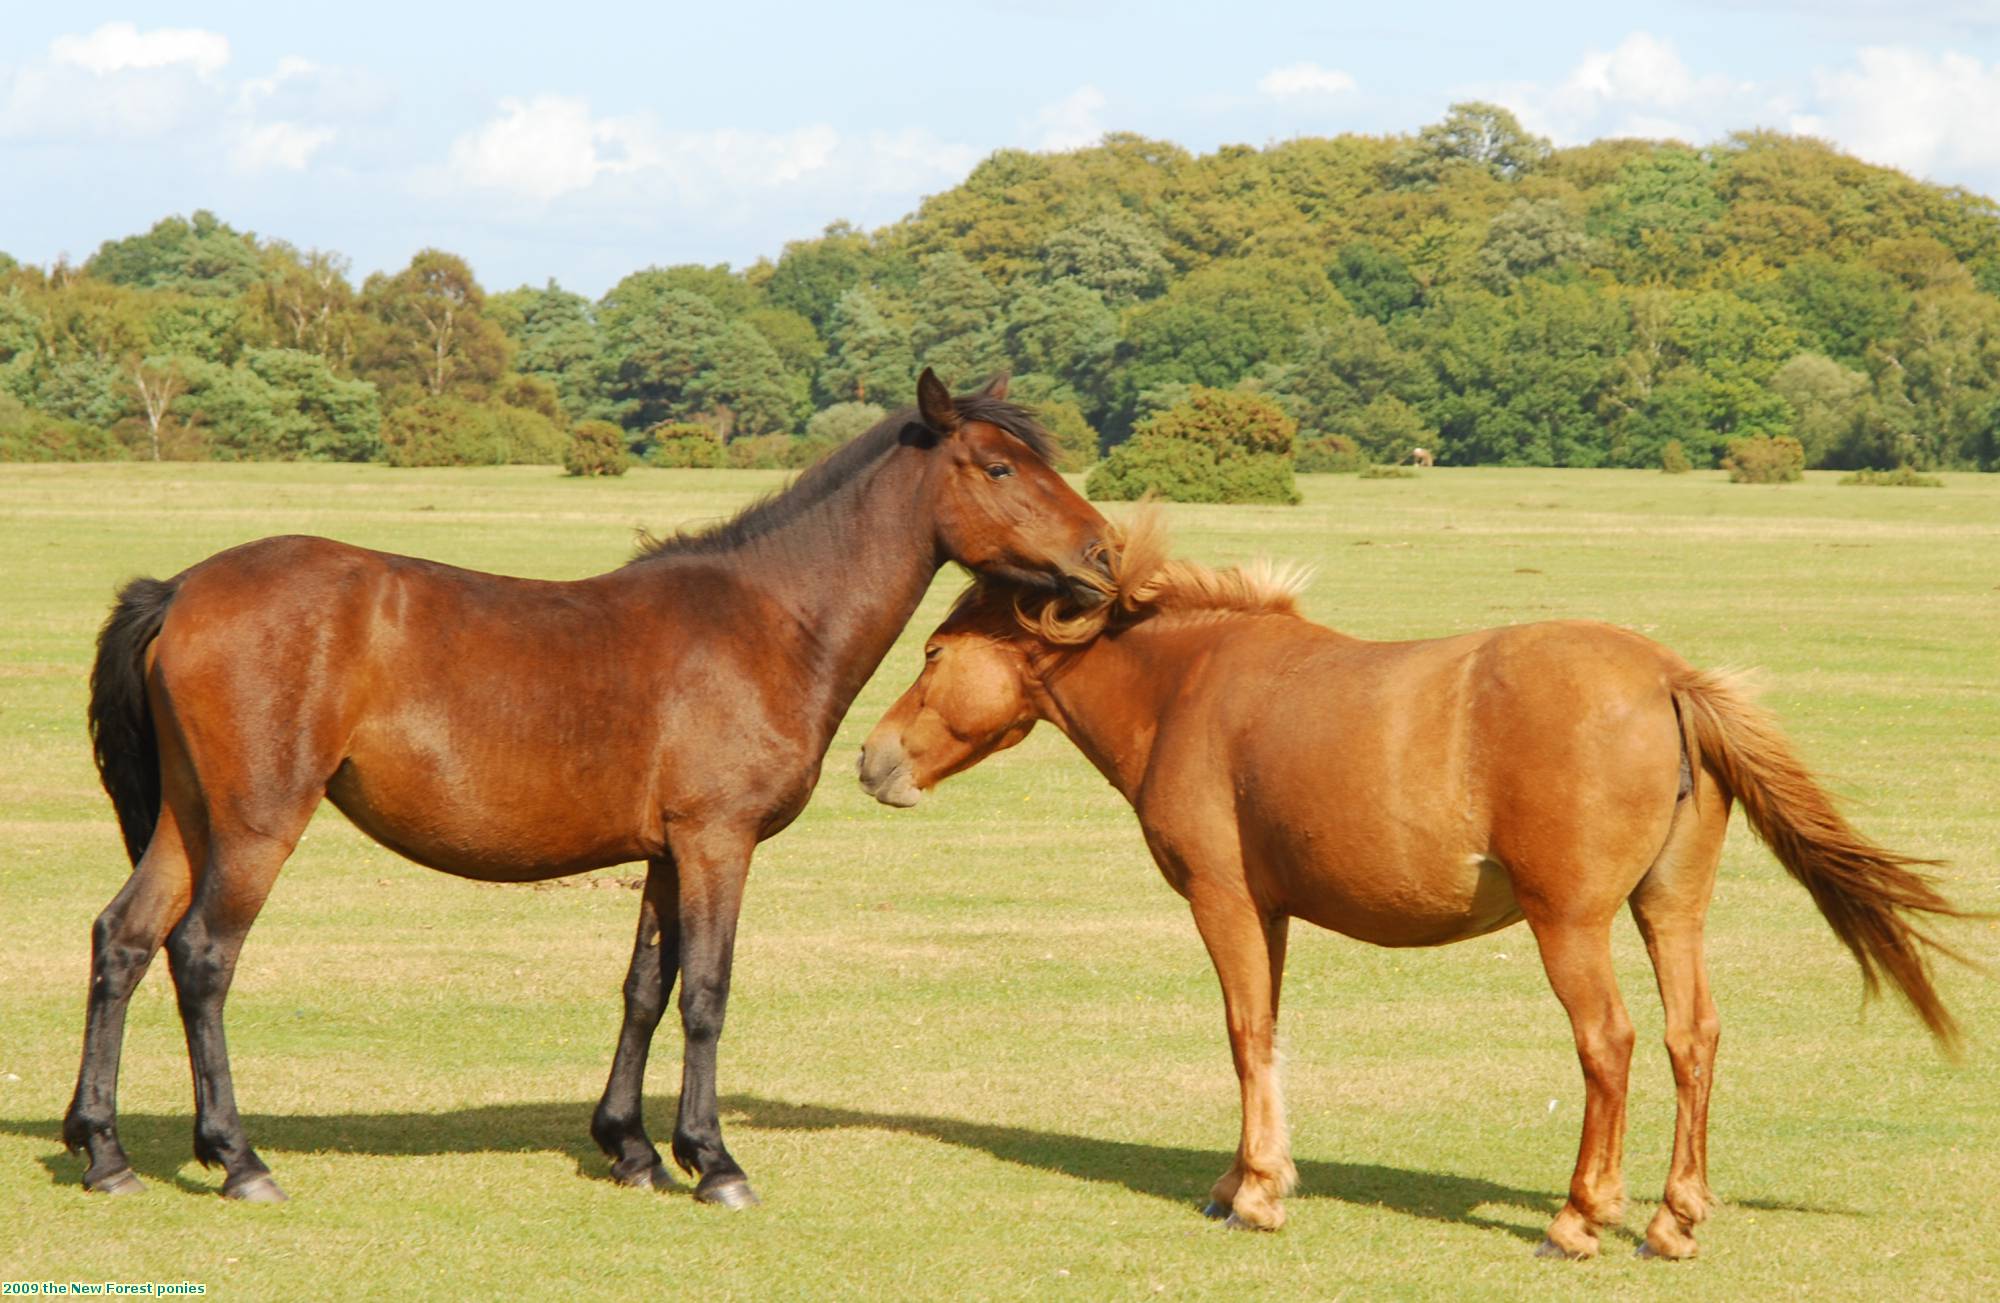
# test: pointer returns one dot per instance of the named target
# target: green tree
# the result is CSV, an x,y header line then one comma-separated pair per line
x,y
1065,330
868,350
1116,254
555,336
1529,236
1376,282
202,255
427,329
843,421
1474,135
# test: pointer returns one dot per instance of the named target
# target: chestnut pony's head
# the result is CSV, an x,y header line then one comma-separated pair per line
x,y
1000,508
974,697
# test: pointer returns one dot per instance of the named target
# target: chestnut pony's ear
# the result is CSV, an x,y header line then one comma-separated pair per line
x,y
997,386
934,404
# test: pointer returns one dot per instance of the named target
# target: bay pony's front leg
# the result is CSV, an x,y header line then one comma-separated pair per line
x,y
618,1126
714,862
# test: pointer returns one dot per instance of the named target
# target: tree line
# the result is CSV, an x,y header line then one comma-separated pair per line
x,y
1467,288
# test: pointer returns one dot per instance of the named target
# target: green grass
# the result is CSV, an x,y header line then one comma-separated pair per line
x,y
976,1049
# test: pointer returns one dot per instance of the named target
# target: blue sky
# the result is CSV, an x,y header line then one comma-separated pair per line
x,y
584,140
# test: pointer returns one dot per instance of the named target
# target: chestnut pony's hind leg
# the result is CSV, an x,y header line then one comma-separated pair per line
x,y
618,1125
122,945
1670,907
1577,957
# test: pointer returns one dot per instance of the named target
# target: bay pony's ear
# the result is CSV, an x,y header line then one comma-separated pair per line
x,y
935,406
997,386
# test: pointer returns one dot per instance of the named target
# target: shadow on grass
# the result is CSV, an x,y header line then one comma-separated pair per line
x,y
159,1145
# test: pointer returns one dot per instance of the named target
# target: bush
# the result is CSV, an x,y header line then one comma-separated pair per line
x,y
596,448
1330,454
1380,472
1218,445
760,452
29,435
1763,459
1674,458
437,430
842,421
1903,477
675,444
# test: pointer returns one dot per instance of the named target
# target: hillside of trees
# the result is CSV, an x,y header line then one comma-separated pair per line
x,y
1467,288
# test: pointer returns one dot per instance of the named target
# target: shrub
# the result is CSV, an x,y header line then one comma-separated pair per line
x,y
29,435
438,430
682,444
1674,458
1764,459
842,421
596,448
1903,477
1218,445
1380,472
764,452
1333,454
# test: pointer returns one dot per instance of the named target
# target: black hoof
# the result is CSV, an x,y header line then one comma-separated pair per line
x,y
121,1181
1235,1223
655,1177
1548,1248
255,1188
732,1192
1216,1212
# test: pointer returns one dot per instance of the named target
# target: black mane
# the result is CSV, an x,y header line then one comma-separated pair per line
x,y
837,469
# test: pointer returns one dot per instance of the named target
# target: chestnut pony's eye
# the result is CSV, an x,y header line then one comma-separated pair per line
x,y
999,470
932,653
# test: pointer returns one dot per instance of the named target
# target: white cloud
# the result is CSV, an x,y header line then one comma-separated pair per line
x,y
120,85
286,145
550,147
1642,88
1299,80
122,47
1928,114
1071,122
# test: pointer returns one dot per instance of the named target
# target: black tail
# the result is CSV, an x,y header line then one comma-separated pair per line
x,y
121,719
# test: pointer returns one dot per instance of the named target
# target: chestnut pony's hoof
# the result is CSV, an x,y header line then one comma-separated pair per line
x,y
122,1181
1235,1223
257,1188
731,1192
1216,1212
1550,1249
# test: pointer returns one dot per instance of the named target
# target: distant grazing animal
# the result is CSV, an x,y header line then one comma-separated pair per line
x,y
675,710
1413,794
1422,457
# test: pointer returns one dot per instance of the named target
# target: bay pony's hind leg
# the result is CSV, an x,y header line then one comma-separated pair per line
x,y
123,942
618,1126
714,863
202,952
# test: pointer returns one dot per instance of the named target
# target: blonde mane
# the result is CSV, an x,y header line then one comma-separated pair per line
x,y
1149,582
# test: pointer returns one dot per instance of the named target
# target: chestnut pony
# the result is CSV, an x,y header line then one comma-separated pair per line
x,y
1413,794
674,711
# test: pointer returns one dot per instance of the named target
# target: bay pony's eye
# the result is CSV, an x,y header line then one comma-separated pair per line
x,y
999,470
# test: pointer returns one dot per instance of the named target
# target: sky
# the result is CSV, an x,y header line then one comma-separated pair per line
x,y
581,141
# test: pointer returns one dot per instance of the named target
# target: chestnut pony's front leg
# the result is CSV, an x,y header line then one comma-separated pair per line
x,y
1248,951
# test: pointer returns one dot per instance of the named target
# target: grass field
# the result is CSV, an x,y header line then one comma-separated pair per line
x,y
975,1049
